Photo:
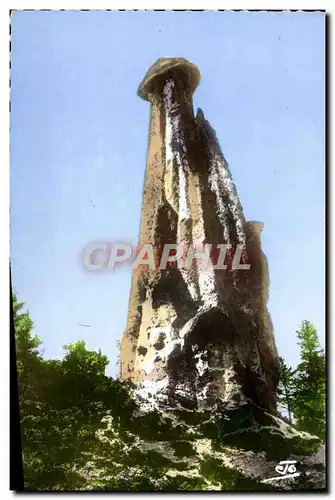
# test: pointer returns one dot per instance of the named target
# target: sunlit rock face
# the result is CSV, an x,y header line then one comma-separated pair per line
x,y
199,334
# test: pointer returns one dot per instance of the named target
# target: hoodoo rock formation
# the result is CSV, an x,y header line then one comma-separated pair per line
x,y
198,335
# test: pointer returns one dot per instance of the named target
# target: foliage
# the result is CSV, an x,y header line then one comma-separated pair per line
x,y
310,383
62,403
285,393
302,391
82,430
28,359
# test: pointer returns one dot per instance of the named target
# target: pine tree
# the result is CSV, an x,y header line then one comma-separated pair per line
x,y
309,402
286,388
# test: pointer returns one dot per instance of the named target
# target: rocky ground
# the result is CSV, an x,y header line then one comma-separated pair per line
x,y
223,448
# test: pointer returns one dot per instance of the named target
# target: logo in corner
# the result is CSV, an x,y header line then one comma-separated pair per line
x,y
286,469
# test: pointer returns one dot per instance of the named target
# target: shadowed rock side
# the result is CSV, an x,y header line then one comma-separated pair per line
x,y
196,335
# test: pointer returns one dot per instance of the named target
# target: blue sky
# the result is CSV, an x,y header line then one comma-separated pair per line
x,y
78,152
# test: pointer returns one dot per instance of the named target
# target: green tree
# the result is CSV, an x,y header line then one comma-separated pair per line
x,y
28,357
302,391
286,388
62,403
82,376
309,403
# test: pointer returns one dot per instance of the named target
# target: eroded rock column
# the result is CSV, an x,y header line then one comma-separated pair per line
x,y
195,335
